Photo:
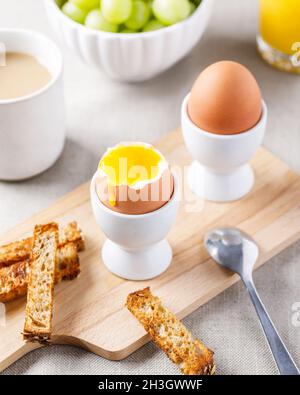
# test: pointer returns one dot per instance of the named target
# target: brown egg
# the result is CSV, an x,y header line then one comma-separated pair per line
x,y
225,99
134,178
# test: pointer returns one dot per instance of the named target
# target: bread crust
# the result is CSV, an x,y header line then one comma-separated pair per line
x,y
191,355
14,278
20,250
43,262
14,252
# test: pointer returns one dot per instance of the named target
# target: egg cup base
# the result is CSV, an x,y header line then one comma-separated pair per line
x,y
137,265
220,187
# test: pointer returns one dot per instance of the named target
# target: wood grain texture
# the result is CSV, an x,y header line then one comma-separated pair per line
x,y
89,312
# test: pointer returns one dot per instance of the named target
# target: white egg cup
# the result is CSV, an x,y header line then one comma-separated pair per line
x,y
136,247
220,171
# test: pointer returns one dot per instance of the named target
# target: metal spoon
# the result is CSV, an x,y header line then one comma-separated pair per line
x,y
238,252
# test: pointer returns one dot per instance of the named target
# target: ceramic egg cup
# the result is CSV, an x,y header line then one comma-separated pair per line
x,y
220,171
136,247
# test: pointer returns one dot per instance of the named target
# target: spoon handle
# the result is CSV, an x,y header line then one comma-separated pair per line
x,y
282,357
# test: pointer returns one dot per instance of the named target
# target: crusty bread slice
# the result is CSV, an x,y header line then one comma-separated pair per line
x,y
71,233
190,354
38,317
13,281
14,278
21,250
14,252
68,266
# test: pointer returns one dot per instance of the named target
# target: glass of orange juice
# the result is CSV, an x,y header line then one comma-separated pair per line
x,y
279,38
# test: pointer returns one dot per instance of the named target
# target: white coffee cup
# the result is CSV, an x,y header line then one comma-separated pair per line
x,y
32,127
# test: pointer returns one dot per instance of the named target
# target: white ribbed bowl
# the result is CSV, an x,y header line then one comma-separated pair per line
x,y
131,57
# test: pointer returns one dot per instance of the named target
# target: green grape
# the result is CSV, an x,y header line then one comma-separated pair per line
x,y
95,20
192,8
171,11
116,11
86,4
139,15
74,12
128,31
149,3
154,24
60,3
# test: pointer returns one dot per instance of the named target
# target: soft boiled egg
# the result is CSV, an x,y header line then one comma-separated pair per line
x,y
225,99
134,178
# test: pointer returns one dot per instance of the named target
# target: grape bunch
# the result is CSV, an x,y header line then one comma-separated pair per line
x,y
128,16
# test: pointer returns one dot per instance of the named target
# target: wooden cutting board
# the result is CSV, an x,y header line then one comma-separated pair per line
x,y
89,311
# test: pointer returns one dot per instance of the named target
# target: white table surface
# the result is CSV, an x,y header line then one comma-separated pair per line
x,y
99,114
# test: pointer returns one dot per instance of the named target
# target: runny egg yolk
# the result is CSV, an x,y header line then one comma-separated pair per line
x,y
130,165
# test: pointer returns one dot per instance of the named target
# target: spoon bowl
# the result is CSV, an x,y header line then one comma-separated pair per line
x,y
238,252
232,249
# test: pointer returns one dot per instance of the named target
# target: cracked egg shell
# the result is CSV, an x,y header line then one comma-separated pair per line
x,y
134,178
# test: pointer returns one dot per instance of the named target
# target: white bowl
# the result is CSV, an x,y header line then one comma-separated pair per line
x,y
131,57
136,248
220,171
32,127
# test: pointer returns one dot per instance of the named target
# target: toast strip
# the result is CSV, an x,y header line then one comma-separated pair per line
x,y
38,316
14,278
21,250
190,354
